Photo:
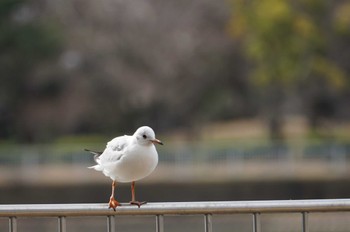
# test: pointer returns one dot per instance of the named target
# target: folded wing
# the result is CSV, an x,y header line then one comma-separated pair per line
x,y
113,152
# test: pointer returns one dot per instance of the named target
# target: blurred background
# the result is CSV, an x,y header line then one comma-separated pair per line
x,y
251,98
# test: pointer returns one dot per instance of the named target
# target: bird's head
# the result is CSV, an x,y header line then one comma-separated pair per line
x,y
145,136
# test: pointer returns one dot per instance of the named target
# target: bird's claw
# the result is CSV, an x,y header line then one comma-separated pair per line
x,y
113,203
138,203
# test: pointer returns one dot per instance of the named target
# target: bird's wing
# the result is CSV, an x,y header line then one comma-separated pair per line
x,y
118,143
115,149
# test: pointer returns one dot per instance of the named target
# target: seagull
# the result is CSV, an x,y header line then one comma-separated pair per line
x,y
128,158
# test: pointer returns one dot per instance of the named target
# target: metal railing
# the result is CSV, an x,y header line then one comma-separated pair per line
x,y
161,210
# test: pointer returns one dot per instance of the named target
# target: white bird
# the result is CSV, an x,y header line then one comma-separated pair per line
x,y
128,159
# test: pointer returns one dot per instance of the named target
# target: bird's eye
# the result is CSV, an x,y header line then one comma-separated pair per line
x,y
144,136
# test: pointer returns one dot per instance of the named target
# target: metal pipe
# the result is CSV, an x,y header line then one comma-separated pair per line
x,y
208,225
61,224
305,216
110,223
177,208
12,224
159,223
256,222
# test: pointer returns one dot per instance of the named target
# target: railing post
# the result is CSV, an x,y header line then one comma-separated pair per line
x,y
256,222
305,222
208,226
12,224
159,223
110,223
61,224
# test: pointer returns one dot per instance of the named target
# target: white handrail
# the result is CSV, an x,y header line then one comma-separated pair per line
x,y
175,208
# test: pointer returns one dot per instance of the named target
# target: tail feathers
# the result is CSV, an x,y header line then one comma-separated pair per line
x,y
97,167
95,153
98,153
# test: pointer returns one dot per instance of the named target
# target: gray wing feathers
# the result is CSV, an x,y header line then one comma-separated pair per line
x,y
118,143
113,153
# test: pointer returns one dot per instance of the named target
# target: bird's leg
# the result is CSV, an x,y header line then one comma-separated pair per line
x,y
113,203
133,201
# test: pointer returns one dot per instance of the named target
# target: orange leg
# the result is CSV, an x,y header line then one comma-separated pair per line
x,y
113,203
133,201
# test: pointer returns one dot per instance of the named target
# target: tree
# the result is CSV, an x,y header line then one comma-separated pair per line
x,y
25,41
288,43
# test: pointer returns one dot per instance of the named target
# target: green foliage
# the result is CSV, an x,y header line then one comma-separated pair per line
x,y
341,19
7,7
291,46
25,43
25,38
286,40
